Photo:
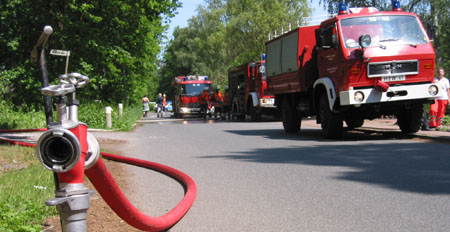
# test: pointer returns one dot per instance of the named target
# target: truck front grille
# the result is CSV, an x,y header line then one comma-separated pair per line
x,y
393,68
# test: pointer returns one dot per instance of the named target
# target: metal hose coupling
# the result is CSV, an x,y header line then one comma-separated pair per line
x,y
58,149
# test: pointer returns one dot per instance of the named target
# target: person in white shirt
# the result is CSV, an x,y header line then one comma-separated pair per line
x,y
437,110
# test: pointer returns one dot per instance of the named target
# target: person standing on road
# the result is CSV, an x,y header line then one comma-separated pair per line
x,y
218,95
160,105
164,103
145,105
204,99
437,110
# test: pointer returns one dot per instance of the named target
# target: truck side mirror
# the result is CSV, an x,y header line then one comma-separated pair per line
x,y
365,40
262,69
430,30
319,37
334,40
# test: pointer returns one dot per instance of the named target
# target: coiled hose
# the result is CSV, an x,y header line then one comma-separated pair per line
x,y
105,184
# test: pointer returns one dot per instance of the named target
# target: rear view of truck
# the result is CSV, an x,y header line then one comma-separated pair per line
x,y
358,65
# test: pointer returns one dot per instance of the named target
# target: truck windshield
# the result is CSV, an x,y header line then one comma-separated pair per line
x,y
194,89
384,30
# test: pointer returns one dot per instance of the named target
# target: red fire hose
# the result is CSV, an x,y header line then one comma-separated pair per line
x,y
116,199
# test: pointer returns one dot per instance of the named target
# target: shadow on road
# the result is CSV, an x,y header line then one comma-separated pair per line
x,y
314,134
412,167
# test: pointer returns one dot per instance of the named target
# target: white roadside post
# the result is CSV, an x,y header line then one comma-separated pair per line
x,y
120,110
108,111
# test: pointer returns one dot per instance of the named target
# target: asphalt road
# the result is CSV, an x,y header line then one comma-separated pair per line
x,y
253,177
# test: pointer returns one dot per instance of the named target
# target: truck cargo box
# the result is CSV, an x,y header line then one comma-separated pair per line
x,y
289,60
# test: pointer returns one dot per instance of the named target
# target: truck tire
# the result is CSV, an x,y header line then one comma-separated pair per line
x,y
255,114
410,121
331,123
291,119
354,122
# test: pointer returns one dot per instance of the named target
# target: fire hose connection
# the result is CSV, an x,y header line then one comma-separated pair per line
x,y
59,150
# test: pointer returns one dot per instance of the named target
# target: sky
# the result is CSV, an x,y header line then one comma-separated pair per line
x,y
189,7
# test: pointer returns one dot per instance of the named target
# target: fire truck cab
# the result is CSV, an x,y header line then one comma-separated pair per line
x,y
186,92
360,64
248,91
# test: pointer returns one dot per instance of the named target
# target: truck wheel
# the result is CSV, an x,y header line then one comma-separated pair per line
x,y
332,123
255,115
291,120
410,120
354,122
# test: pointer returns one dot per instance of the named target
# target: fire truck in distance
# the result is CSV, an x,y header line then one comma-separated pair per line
x,y
186,92
359,64
248,91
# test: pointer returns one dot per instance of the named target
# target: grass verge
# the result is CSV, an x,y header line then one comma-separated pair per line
x,y
24,187
92,113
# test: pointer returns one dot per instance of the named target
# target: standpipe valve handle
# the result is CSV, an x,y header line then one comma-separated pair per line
x,y
76,79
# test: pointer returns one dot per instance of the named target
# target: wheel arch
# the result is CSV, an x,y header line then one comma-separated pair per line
x,y
254,97
326,85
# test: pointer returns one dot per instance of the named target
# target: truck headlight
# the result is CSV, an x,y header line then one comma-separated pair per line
x,y
184,110
358,96
433,90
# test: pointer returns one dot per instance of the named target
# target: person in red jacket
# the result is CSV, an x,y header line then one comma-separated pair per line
x,y
204,99
218,95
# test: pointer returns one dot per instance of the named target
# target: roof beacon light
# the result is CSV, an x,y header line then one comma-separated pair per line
x,y
342,8
263,56
396,5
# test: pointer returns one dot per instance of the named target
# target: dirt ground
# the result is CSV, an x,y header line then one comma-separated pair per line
x,y
100,216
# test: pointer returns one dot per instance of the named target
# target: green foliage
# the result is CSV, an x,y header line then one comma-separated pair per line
x,y
93,114
13,117
22,206
444,33
114,42
225,34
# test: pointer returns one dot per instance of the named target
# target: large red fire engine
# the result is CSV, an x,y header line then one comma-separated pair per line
x,y
358,65
248,91
186,92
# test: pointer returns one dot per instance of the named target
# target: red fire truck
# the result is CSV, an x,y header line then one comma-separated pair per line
x,y
248,91
358,65
186,92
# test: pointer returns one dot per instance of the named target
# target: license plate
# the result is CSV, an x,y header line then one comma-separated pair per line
x,y
393,78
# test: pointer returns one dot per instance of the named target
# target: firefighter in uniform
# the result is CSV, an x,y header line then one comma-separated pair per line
x,y
204,101
218,100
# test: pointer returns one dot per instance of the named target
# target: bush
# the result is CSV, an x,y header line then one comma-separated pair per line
x,y
93,114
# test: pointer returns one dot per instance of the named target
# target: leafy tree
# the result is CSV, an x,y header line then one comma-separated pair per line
x,y
114,42
224,34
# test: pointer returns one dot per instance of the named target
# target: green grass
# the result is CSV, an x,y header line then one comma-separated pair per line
x,y
24,187
93,114
11,119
